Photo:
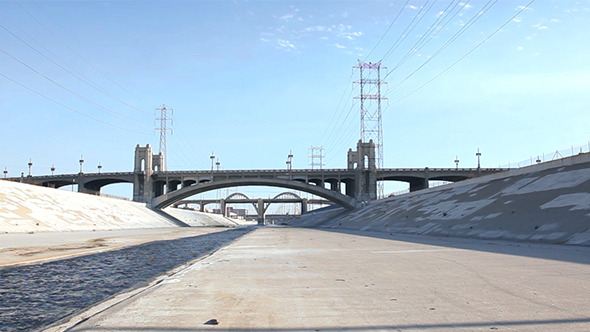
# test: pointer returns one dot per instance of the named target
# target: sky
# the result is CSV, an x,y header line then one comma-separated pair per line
x,y
250,81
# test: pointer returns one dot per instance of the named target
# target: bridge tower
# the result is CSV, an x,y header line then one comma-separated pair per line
x,y
363,162
145,165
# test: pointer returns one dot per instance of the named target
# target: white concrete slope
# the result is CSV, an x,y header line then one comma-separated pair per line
x,y
547,203
27,208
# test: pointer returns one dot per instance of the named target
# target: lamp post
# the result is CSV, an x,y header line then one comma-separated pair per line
x,y
5,172
290,160
478,154
30,167
52,170
212,159
99,167
81,164
456,162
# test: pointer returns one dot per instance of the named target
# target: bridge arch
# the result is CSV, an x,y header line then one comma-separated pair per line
x,y
238,195
285,194
234,195
170,198
288,193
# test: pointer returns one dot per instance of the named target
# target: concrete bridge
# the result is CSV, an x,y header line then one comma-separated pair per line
x,y
261,205
343,186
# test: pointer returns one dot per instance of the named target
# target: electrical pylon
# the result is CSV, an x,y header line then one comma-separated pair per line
x,y
316,154
371,116
163,131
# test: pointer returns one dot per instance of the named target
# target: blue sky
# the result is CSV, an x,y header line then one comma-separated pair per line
x,y
252,80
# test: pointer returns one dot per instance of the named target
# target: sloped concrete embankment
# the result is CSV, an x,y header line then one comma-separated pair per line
x,y
547,203
27,208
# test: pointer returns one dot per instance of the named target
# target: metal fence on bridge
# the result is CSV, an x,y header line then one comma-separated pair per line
x,y
549,156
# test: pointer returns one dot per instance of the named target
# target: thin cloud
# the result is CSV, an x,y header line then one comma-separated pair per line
x,y
286,45
339,46
540,27
318,28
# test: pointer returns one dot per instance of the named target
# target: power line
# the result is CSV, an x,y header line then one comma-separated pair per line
x,y
386,31
337,108
427,36
72,109
336,126
83,59
337,135
86,80
466,54
107,110
404,35
457,34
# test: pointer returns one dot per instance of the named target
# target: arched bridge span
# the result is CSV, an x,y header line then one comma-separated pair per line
x,y
177,195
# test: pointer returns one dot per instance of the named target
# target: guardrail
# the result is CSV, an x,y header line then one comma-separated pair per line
x,y
549,156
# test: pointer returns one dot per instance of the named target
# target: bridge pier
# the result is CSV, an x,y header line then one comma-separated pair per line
x,y
419,184
222,207
260,209
304,206
82,188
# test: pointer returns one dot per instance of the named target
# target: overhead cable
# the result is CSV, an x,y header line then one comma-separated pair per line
x,y
386,31
83,59
107,110
73,109
466,54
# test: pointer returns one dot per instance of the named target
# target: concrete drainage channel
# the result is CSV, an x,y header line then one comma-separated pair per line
x,y
33,297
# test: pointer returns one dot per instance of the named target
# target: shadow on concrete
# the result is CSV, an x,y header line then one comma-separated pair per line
x,y
172,219
540,324
564,253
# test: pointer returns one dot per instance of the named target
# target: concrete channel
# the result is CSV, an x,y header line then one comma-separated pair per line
x,y
295,279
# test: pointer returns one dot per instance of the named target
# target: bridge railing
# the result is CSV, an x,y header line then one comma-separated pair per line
x,y
491,169
255,171
549,156
63,176
325,170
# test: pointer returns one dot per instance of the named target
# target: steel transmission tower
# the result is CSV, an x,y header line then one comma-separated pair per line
x,y
163,131
370,95
316,154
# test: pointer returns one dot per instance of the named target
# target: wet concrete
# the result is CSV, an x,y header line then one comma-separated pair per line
x,y
35,296
23,249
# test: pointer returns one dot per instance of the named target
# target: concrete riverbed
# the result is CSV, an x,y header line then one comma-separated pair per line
x,y
296,279
72,272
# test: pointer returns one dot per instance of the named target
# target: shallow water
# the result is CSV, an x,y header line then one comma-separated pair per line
x,y
35,296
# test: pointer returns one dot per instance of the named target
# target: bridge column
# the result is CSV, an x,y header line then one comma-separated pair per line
x,y
201,207
81,181
260,209
304,206
222,207
418,184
